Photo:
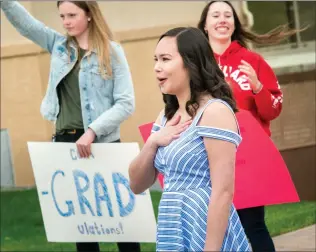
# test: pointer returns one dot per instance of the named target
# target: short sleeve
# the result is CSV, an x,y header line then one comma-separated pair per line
x,y
220,134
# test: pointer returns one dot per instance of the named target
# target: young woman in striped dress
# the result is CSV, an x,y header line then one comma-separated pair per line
x,y
193,143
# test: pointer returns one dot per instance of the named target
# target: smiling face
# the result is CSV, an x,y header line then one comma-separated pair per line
x,y
172,76
220,23
75,20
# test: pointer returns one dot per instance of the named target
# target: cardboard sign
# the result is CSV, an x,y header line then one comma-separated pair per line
x,y
261,176
89,200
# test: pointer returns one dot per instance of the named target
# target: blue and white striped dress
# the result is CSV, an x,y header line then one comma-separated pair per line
x,y
184,204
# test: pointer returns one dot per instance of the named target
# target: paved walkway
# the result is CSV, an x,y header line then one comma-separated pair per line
x,y
299,240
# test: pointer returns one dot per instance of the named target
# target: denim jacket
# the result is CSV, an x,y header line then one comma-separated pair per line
x,y
105,103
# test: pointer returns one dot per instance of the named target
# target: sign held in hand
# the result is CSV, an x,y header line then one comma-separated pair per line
x,y
89,200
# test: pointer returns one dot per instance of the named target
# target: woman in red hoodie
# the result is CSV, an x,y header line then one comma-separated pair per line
x,y
254,85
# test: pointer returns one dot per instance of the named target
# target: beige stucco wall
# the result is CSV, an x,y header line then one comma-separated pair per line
x,y
25,67
121,15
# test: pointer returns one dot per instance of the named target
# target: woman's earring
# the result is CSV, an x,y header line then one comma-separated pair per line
x,y
89,19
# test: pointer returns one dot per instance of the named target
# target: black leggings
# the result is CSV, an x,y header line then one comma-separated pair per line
x,y
94,246
256,230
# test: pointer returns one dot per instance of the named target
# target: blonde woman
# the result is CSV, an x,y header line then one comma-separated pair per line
x,y
90,90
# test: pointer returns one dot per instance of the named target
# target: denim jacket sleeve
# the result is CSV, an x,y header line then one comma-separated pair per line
x,y
28,26
123,95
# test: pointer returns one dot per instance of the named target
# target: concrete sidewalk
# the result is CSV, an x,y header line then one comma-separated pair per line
x,y
299,240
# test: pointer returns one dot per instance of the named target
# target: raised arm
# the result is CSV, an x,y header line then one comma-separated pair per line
x,y
28,26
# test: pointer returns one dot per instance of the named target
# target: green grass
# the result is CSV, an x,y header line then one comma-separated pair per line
x,y
22,226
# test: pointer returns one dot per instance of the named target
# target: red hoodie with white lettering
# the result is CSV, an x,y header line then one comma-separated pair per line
x,y
265,105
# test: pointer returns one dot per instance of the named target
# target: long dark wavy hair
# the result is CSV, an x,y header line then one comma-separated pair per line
x,y
204,72
243,36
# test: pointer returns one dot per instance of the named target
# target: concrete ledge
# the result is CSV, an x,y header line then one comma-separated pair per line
x,y
287,60
293,62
